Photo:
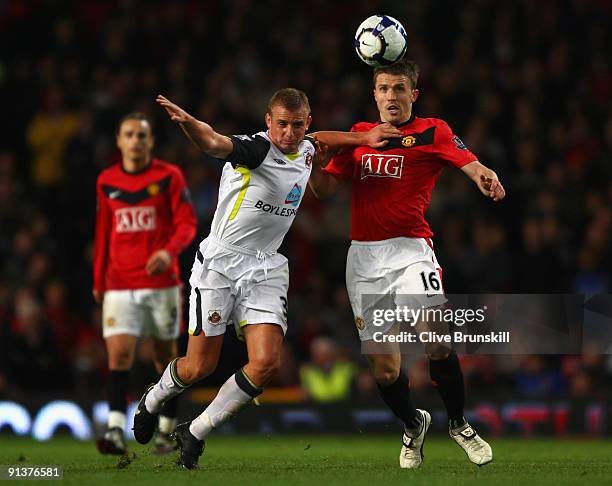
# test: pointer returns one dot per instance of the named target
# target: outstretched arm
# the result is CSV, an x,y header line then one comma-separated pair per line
x,y
376,137
201,134
485,179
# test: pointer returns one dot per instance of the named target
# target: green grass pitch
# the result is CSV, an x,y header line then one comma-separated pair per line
x,y
323,460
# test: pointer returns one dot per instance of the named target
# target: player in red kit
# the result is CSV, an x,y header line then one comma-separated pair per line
x,y
392,256
144,220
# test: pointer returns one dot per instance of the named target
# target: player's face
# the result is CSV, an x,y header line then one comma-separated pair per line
x,y
135,140
394,97
287,128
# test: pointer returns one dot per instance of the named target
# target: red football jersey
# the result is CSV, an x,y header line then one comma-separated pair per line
x,y
138,214
392,185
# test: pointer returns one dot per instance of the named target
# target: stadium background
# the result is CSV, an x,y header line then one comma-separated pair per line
x,y
527,85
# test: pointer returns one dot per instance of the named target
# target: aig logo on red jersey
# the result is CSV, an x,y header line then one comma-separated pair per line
x,y
381,165
134,219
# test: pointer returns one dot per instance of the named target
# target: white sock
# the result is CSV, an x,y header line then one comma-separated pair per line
x,y
167,424
168,386
230,399
116,419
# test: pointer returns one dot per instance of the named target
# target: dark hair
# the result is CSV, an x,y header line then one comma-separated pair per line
x,y
134,115
290,98
404,67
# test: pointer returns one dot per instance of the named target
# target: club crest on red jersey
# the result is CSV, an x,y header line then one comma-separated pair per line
x,y
382,165
153,189
408,141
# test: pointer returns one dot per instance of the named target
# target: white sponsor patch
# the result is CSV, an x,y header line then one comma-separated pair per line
x,y
381,165
134,219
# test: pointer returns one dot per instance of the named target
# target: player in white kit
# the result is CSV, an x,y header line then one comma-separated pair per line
x,y
238,277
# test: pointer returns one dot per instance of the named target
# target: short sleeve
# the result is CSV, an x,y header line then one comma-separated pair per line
x,y
449,148
249,150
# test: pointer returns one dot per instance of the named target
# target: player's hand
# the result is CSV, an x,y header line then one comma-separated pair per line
x,y
176,113
98,296
491,187
322,154
379,135
159,262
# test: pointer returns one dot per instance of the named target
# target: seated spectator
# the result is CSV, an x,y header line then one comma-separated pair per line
x,y
328,377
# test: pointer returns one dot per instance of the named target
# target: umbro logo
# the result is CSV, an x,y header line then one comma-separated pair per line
x,y
280,161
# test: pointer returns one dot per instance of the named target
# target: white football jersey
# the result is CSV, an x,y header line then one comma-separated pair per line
x,y
260,192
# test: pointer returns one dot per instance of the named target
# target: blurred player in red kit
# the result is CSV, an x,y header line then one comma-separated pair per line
x,y
392,254
144,220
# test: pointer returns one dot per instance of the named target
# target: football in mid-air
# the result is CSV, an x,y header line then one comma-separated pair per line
x,y
380,40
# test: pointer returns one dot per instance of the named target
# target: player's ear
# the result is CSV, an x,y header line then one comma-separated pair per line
x,y
415,95
308,122
268,120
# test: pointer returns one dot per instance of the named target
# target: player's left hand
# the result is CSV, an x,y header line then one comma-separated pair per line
x,y
158,262
322,154
175,112
490,186
379,135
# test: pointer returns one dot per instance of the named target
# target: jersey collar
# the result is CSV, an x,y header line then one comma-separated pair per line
x,y
136,172
402,124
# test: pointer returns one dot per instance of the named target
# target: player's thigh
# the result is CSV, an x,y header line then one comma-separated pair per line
x,y
433,323
264,301
122,313
121,349
264,343
163,318
419,285
369,290
203,353
370,300
211,304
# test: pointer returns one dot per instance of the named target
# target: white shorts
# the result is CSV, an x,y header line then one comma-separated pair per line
x,y
142,312
388,274
228,288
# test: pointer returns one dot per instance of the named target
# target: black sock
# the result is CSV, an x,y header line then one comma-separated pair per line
x,y
447,377
170,408
397,398
117,388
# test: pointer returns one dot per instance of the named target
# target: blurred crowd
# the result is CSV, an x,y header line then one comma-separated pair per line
x,y
527,85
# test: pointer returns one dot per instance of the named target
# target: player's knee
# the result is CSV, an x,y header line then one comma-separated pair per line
x,y
195,371
385,375
120,359
265,368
